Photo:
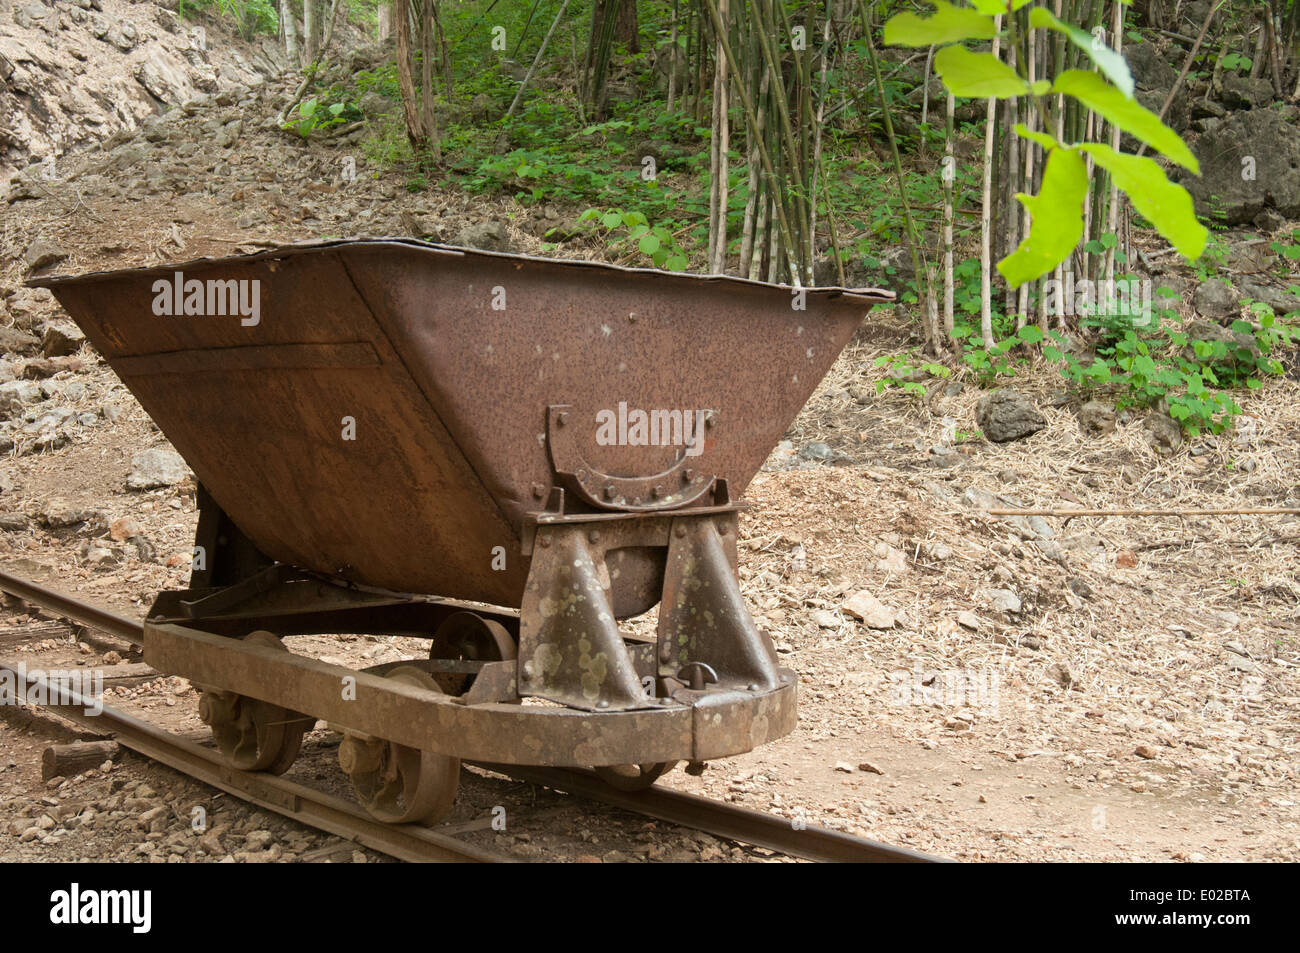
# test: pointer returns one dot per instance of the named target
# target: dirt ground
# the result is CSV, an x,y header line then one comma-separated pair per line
x,y
1092,689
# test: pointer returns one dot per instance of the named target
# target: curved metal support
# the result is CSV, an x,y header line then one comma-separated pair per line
x,y
677,486
703,618
570,648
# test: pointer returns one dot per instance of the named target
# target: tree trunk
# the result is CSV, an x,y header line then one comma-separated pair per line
x,y
428,115
384,16
310,30
66,761
415,130
672,62
604,25
627,30
290,26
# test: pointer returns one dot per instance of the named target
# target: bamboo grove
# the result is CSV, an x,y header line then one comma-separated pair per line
x,y
768,78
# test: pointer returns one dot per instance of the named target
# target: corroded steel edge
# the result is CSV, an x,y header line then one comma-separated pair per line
x,y
871,295
717,725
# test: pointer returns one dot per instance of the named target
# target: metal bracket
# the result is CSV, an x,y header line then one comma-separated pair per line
x,y
703,618
570,648
679,485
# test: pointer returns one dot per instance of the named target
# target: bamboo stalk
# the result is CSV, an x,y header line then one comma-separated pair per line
x,y
1031,121
1112,217
672,61
758,89
986,221
519,94
786,127
1058,273
949,202
1274,53
720,149
908,222
817,160
712,6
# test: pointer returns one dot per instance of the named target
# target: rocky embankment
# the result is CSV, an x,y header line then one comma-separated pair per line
x,y
75,72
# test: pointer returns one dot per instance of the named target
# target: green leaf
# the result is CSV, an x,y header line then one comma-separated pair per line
x,y
1167,206
994,7
1030,334
1099,371
1056,219
611,219
649,244
634,218
1130,115
977,75
676,263
1042,138
948,24
1107,60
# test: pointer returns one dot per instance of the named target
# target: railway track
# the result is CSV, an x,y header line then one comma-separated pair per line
x,y
409,842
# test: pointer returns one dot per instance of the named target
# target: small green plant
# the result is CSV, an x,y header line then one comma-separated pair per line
x,y
1236,61
1167,369
251,16
1288,250
903,374
632,228
1215,254
313,114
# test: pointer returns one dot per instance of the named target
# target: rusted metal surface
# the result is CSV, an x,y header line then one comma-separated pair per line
x,y
62,605
389,433
308,806
697,727
329,813
807,841
447,361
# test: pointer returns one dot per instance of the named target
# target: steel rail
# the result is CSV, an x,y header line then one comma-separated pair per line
x,y
314,808
722,820
83,612
409,842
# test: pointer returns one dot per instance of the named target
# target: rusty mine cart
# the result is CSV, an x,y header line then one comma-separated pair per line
x,y
500,454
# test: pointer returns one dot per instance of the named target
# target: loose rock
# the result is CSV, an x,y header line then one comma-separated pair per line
x,y
871,611
156,468
1007,414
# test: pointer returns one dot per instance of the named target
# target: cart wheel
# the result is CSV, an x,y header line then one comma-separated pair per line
x,y
252,734
634,777
397,784
467,635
